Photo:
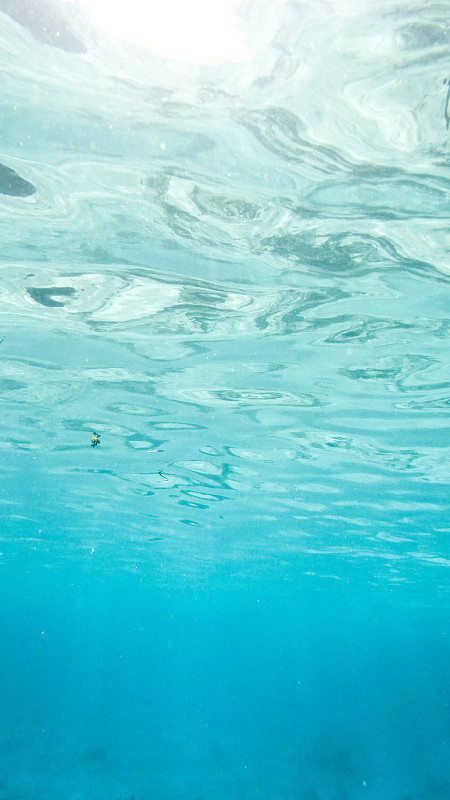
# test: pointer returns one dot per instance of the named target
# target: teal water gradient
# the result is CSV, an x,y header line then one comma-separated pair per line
x,y
238,277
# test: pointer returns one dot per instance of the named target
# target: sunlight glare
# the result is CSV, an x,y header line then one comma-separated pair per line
x,y
193,31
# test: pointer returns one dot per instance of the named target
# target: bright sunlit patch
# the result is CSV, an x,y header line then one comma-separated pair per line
x,y
193,31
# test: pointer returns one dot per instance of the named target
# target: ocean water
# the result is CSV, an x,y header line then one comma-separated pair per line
x,y
238,276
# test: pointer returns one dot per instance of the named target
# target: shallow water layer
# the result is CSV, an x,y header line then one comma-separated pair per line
x,y
237,277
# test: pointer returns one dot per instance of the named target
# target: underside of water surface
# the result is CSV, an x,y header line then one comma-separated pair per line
x,y
224,389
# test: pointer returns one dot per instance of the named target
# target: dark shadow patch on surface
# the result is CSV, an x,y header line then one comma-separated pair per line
x,y
46,20
46,295
9,385
12,184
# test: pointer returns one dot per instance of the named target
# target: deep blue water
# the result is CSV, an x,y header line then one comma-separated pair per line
x,y
238,276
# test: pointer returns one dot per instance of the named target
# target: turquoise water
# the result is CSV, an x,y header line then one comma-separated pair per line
x,y
238,276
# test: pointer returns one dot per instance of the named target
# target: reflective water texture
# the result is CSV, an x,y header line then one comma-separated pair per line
x,y
237,277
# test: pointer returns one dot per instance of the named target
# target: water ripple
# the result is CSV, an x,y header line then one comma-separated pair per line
x,y
281,132
239,277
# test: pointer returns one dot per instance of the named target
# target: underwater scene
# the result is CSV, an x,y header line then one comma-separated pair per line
x,y
225,396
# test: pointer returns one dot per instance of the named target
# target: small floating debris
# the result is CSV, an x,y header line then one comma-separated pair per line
x,y
95,439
